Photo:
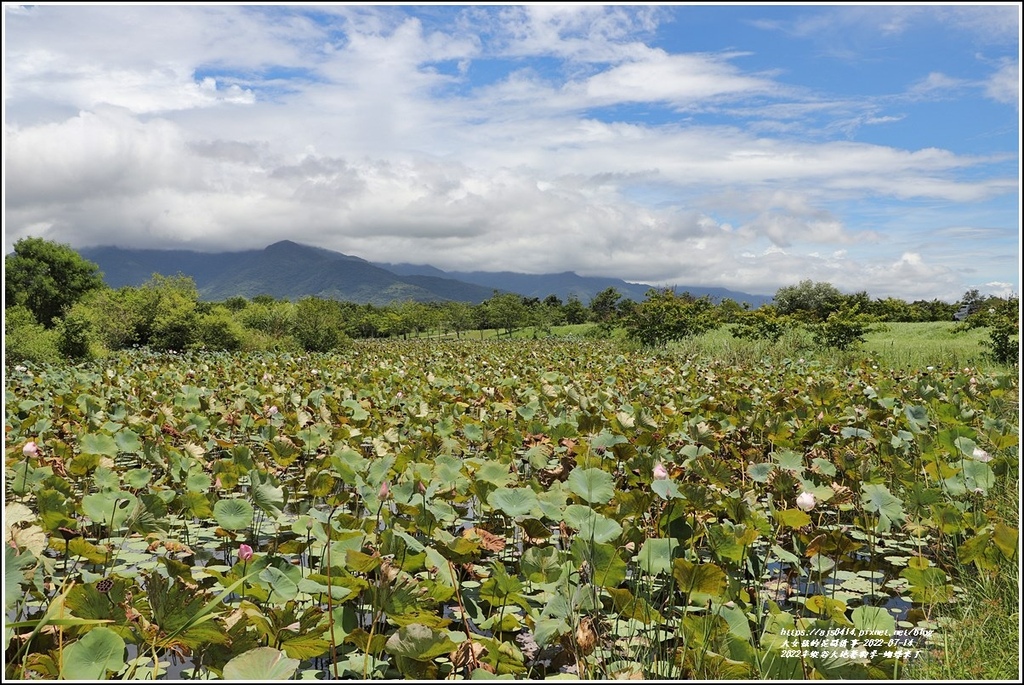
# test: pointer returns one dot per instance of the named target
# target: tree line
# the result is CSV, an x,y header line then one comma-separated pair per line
x,y
57,306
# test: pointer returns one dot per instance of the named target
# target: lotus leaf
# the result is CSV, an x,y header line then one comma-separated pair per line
x,y
98,652
259,664
233,514
515,501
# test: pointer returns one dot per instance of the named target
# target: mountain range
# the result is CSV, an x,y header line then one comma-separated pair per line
x,y
289,270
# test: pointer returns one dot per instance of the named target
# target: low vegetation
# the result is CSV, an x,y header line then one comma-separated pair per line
x,y
667,490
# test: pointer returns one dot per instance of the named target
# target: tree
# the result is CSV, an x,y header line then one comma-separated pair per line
x,y
764,323
843,329
175,316
604,307
25,339
458,317
319,326
47,278
217,329
664,316
1004,338
506,311
809,301
574,312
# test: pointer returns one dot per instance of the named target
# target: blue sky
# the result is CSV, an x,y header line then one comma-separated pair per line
x,y
875,147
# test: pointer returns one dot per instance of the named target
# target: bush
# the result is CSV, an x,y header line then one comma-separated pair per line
x,y
1004,339
842,329
319,325
26,340
664,317
762,324
218,330
74,339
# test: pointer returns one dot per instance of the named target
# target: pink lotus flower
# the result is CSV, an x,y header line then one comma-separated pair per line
x,y
660,473
805,501
244,553
272,410
31,449
385,488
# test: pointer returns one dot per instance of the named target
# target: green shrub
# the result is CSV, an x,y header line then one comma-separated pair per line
x,y
842,330
27,340
319,325
664,317
1004,338
74,336
218,330
763,323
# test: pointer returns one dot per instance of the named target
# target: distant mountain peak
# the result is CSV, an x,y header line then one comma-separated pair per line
x,y
292,270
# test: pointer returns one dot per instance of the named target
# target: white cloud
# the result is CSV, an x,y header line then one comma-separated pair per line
x,y
192,134
680,79
935,84
1004,84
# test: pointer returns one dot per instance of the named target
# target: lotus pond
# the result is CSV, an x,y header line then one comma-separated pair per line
x,y
520,509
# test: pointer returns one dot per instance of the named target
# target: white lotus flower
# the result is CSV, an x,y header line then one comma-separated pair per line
x,y
981,455
805,501
31,449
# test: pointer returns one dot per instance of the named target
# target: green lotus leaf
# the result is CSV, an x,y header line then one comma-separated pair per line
x,y
15,566
473,432
1005,539
514,501
541,564
590,525
873,620
656,555
98,651
792,518
106,479
759,472
284,588
138,478
495,473
128,441
259,664
627,606
109,508
265,494
917,418
789,460
826,606
699,579
877,499
666,489
233,514
198,482
97,443
602,561
417,641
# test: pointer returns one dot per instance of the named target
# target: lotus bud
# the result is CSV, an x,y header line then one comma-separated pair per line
x,y
805,501
385,488
31,449
660,473
244,552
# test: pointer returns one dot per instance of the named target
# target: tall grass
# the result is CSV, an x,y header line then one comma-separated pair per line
x,y
983,642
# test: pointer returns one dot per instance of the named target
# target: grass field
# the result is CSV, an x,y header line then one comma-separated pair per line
x,y
898,345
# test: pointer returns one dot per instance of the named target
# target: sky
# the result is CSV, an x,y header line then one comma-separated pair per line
x,y
875,147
